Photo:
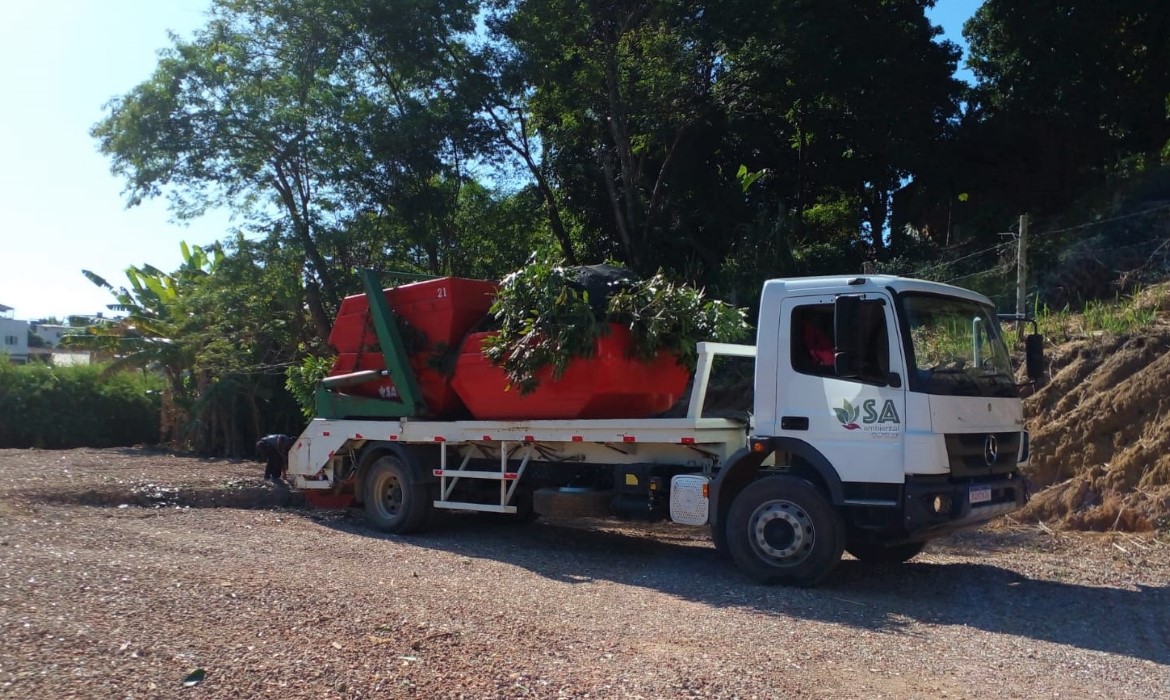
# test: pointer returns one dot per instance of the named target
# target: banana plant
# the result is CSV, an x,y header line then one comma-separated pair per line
x,y
157,330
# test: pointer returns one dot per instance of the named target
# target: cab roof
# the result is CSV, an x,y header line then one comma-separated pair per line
x,y
872,283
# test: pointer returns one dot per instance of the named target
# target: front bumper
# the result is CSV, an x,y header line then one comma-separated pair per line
x,y
937,506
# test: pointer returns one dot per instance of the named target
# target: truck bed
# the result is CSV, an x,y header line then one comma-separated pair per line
x,y
324,437
673,440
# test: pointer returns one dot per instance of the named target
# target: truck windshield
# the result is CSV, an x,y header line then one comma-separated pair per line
x,y
956,347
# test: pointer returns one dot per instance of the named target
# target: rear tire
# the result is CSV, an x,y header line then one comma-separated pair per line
x,y
525,510
781,529
396,500
874,553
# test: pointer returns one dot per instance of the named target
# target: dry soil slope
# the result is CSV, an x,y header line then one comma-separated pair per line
x,y
1101,434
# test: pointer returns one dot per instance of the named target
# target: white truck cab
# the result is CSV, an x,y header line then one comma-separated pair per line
x,y
885,413
912,424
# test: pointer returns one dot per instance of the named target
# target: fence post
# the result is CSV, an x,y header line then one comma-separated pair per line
x,y
1022,274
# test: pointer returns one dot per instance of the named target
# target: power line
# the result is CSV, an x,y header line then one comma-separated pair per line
x,y
998,268
1091,224
1067,229
1002,246
997,246
1004,269
1159,241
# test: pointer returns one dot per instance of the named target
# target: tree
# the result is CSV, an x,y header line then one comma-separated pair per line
x,y
841,119
308,117
648,110
251,328
621,95
501,230
510,118
1074,90
221,330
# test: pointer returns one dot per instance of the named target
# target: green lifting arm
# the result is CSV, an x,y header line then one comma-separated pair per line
x,y
410,403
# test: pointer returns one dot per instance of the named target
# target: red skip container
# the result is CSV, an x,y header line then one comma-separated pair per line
x,y
607,385
440,311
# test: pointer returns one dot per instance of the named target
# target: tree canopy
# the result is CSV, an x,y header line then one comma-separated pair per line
x,y
1078,90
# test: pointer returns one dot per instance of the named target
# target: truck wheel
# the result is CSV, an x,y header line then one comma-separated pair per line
x,y
875,553
525,510
395,500
780,529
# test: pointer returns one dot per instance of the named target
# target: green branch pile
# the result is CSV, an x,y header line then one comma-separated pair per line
x,y
547,318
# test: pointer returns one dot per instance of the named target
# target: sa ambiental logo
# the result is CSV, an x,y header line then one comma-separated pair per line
x,y
868,413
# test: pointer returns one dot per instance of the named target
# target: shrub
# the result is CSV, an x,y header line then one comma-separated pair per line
x,y
302,380
77,406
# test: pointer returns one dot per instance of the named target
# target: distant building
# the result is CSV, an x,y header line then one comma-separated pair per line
x,y
13,336
52,333
60,357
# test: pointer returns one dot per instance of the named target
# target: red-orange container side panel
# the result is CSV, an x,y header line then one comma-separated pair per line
x,y
443,310
608,385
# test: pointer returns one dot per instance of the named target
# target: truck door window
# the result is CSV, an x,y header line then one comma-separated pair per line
x,y
812,340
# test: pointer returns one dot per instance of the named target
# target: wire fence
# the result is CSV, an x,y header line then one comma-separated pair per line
x,y
1077,262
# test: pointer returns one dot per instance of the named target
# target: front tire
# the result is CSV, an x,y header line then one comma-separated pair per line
x,y
781,529
396,501
874,553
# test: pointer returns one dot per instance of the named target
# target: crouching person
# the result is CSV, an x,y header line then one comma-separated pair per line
x,y
273,450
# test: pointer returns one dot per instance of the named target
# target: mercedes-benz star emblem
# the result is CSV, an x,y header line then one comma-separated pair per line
x,y
990,450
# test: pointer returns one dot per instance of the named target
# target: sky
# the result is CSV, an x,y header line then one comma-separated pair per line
x,y
61,210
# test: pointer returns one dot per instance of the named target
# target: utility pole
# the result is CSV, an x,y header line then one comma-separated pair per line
x,y
1022,270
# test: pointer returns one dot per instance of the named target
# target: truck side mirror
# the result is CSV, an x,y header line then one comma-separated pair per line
x,y
847,336
1034,356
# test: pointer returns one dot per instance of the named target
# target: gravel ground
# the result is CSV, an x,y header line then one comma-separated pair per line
x,y
123,571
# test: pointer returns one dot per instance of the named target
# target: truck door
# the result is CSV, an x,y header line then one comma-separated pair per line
x,y
858,424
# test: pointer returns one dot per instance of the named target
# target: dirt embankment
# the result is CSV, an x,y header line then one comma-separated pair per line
x,y
1101,434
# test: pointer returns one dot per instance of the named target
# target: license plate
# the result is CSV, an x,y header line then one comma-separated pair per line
x,y
980,494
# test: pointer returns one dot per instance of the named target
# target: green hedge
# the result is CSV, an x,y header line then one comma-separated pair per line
x,y
62,407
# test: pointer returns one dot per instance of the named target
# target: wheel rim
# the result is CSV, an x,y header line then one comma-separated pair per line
x,y
389,496
782,533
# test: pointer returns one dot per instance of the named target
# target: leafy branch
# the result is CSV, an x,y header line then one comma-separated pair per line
x,y
547,319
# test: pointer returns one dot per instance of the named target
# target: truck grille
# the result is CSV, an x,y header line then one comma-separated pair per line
x,y
981,454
